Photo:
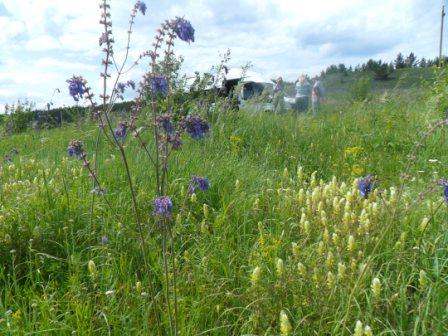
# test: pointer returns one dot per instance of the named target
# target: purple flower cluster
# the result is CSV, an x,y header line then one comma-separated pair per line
x,y
76,87
444,184
175,140
194,125
164,121
141,6
366,185
75,149
198,182
122,86
162,206
183,29
120,132
159,85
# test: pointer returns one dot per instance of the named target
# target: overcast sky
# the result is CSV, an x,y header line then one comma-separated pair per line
x,y
44,42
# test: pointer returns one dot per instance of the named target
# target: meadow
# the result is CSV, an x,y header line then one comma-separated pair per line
x,y
282,243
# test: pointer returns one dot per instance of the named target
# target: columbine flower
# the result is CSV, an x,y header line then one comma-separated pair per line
x,y
131,84
159,84
163,206
183,29
76,87
198,182
366,185
121,87
120,132
174,140
164,121
141,7
444,184
75,149
195,126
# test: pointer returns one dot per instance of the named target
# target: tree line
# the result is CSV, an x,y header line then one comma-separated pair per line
x,y
381,69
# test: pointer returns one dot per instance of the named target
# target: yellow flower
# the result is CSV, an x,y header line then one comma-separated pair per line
x,y
256,275
353,151
376,288
357,170
285,325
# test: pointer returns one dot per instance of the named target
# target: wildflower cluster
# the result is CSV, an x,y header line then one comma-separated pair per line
x,y
195,126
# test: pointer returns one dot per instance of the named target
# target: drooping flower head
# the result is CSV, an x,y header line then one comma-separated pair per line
x,y
131,84
444,184
175,140
164,121
183,29
366,185
75,149
198,182
141,6
76,87
194,125
159,85
121,87
162,206
120,132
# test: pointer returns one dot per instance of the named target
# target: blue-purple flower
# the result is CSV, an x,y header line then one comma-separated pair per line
x,y
75,149
444,184
198,182
76,87
162,206
141,6
366,185
120,132
159,84
164,121
194,125
131,84
183,29
121,87
175,140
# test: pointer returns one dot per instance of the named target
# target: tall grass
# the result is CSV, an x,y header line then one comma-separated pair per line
x,y
259,204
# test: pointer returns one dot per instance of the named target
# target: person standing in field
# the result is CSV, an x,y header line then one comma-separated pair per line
x,y
316,96
279,103
303,91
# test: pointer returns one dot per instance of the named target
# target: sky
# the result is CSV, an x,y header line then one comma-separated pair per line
x,y
45,42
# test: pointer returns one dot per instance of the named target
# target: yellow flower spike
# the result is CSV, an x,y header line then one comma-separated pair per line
x,y
193,198
353,265
280,267
422,280
307,228
335,239
178,219
302,269
255,276
341,270
316,276
285,172
326,236
205,210
320,206
295,249
351,245
285,325
182,191
376,288
92,268
329,262
358,329
336,205
301,196
302,219
331,280
321,248
424,224
368,331
138,286
204,227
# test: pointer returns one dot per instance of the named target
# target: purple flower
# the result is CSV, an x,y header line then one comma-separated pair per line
x,y
131,84
164,121
120,132
162,206
121,87
141,6
444,184
75,149
195,126
183,29
159,84
198,182
76,87
366,185
175,141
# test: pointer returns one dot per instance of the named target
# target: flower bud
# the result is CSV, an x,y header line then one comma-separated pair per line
x,y
255,276
193,198
422,280
285,325
92,268
280,267
295,249
376,288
